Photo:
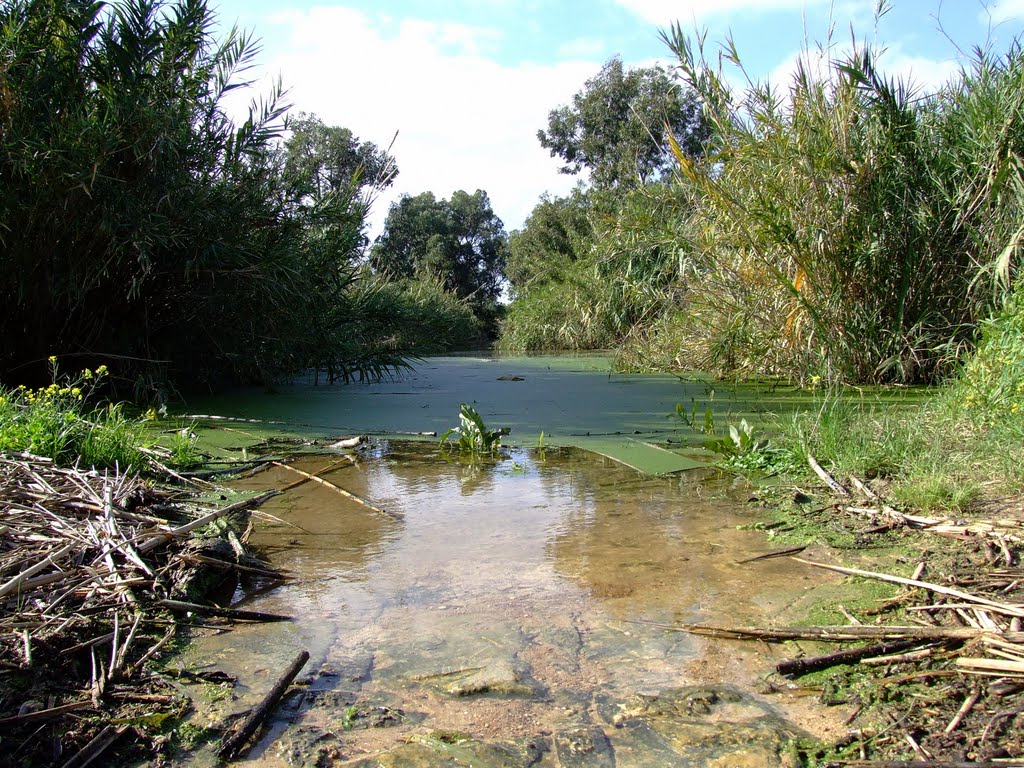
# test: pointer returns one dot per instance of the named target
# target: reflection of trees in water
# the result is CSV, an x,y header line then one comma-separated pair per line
x,y
415,469
623,533
325,534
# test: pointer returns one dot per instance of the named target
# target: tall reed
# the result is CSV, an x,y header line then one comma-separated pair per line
x,y
846,219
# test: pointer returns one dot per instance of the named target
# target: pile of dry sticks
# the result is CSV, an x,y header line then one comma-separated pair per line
x,y
92,569
960,637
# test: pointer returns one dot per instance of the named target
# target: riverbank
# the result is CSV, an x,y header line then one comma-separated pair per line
x,y
102,576
932,663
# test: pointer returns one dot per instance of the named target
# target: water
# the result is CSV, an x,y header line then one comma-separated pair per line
x,y
573,401
514,603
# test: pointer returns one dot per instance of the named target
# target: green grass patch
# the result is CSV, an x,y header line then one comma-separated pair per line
x,y
60,422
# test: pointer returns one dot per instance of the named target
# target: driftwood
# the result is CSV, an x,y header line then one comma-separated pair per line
x,y
305,479
992,605
165,536
96,747
335,488
233,744
922,764
797,667
228,565
770,555
226,613
46,714
830,481
842,634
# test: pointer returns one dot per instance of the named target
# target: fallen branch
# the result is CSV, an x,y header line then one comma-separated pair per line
x,y
830,481
333,487
841,634
769,555
226,613
164,537
992,665
45,714
232,744
1004,608
797,667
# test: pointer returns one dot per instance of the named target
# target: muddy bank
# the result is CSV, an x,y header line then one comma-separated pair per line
x,y
509,612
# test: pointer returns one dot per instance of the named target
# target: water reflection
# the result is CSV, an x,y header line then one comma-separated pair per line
x,y
498,599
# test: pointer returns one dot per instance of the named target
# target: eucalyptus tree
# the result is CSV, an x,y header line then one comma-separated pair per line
x,y
615,127
460,241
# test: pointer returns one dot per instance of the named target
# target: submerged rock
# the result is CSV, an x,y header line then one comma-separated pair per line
x,y
700,726
502,677
446,750
586,747
308,746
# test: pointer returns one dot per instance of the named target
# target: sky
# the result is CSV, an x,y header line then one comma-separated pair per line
x,y
466,84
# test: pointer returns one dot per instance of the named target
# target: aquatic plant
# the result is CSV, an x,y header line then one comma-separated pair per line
x,y
474,438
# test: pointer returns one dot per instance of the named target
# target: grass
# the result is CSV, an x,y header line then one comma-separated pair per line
x,y
945,452
62,421
931,456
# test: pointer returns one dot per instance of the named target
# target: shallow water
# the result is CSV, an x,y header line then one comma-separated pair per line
x,y
514,603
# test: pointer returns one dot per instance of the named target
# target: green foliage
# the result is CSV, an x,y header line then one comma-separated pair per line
x,y
625,268
137,219
932,455
56,421
184,448
322,160
991,384
414,317
615,124
842,224
460,242
557,233
474,438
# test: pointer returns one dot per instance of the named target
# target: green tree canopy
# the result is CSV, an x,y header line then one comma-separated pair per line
x,y
323,159
459,241
614,128
557,233
140,225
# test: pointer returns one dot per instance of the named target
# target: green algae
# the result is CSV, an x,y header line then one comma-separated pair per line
x,y
572,400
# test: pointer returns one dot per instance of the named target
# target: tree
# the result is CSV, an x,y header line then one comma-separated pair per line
x,y
324,159
557,233
615,125
139,222
459,241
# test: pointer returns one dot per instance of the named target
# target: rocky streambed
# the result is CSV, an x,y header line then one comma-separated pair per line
x,y
512,613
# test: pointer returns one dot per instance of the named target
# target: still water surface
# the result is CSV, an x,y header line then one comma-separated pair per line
x,y
513,602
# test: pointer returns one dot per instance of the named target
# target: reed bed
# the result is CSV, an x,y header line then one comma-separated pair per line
x,y
90,564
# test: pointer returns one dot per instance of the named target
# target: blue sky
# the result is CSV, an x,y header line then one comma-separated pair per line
x,y
467,83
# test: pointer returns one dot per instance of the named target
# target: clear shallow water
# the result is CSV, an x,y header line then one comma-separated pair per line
x,y
506,602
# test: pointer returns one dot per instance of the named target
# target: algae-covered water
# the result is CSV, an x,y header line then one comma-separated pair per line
x,y
512,612
505,614
571,400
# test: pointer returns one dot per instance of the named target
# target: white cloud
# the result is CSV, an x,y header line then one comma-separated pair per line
x,y
464,120
582,48
924,75
668,11
1002,11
